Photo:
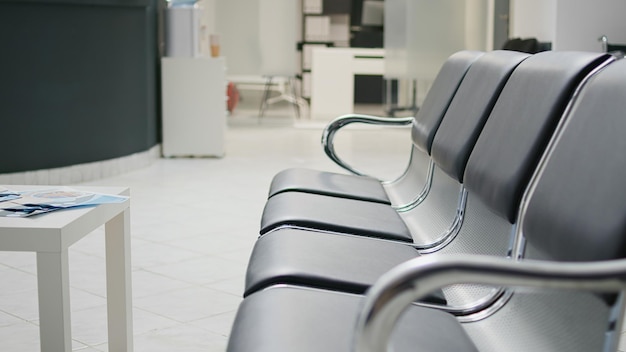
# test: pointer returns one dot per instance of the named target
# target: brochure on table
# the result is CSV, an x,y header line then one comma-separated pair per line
x,y
33,202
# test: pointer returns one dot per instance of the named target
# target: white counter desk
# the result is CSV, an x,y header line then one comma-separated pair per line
x,y
50,235
332,78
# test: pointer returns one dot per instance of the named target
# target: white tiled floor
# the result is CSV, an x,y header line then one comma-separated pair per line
x,y
193,225
194,222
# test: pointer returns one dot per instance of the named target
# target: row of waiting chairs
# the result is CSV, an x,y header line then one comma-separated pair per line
x,y
515,179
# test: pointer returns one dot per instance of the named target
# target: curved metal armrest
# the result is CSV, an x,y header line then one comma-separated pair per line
x,y
334,126
397,289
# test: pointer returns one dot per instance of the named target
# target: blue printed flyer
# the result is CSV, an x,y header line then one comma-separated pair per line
x,y
28,203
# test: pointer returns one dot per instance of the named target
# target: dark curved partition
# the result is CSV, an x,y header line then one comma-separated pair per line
x,y
79,81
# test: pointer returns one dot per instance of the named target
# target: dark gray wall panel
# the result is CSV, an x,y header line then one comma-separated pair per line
x,y
78,81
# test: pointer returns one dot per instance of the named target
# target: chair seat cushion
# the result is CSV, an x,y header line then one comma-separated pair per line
x,y
334,214
330,184
307,320
321,260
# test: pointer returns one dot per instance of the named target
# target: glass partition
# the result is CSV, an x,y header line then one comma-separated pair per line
x,y
421,34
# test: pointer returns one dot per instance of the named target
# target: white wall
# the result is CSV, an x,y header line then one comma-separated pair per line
x,y
277,37
569,24
534,19
237,24
240,22
582,22
478,27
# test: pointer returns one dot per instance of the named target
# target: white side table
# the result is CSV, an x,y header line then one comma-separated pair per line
x,y
50,235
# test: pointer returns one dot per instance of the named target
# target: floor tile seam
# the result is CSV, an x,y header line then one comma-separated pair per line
x,y
209,285
86,346
216,252
151,240
193,284
247,259
137,267
94,306
20,268
102,346
204,283
208,330
22,319
83,289
87,253
183,324
221,235
175,322
202,256
188,285
187,256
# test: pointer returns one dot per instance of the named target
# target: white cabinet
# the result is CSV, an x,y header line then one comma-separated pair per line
x,y
194,106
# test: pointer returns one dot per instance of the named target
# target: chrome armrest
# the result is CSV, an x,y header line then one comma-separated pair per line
x,y
334,126
401,286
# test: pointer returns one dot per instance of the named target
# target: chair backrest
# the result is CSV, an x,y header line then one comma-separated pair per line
x,y
521,124
470,109
577,208
438,99
527,45
617,50
409,189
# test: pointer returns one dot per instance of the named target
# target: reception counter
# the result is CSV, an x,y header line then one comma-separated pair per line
x,y
79,81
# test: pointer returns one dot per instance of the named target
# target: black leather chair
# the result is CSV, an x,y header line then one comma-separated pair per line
x,y
358,185
526,45
438,215
571,226
504,156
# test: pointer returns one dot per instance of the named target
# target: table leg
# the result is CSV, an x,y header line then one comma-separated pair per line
x,y
54,301
119,294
